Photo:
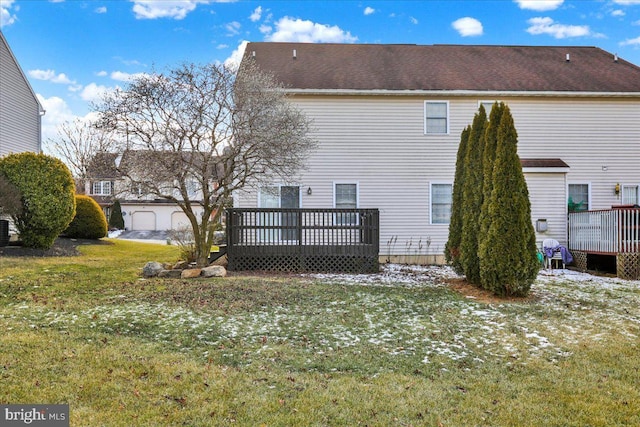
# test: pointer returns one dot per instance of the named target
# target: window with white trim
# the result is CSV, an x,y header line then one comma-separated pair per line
x,y
441,199
629,194
436,117
346,197
578,197
488,105
101,188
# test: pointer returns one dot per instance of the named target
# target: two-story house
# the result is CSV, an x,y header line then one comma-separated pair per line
x,y
388,120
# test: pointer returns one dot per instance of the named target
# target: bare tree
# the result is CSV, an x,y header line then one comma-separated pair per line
x,y
77,143
201,132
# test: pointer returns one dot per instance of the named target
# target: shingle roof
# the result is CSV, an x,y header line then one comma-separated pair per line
x,y
445,67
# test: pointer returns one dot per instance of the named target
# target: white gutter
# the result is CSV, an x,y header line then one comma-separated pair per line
x,y
458,93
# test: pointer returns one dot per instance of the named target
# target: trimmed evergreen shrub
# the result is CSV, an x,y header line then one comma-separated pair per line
x,y
89,222
472,199
48,203
452,247
508,258
116,219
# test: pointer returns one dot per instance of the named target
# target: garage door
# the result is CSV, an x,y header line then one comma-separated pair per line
x,y
179,221
143,220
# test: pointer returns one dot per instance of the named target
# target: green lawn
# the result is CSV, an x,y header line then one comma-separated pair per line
x,y
399,348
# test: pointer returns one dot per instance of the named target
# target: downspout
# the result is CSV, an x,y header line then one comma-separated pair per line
x,y
41,113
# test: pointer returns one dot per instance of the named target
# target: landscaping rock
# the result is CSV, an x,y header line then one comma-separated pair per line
x,y
191,273
152,269
170,274
180,265
214,271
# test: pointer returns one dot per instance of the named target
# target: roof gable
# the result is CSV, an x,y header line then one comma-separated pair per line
x,y
371,67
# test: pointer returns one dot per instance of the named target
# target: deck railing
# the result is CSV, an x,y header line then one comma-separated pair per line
x,y
303,239
609,231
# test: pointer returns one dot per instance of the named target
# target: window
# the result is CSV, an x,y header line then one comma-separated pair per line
x,y
441,198
346,197
578,197
436,117
101,188
630,195
488,105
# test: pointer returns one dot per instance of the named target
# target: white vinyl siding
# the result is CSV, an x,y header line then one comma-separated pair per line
x,y
379,142
441,199
19,107
436,117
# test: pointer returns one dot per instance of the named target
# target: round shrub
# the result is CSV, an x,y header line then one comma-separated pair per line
x,y
47,189
89,222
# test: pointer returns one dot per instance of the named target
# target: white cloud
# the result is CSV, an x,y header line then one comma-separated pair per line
x,y
631,42
539,5
298,30
233,61
468,27
256,15
222,46
369,10
413,20
627,2
266,29
175,9
233,28
102,9
618,13
6,18
548,26
57,112
51,76
101,73
93,92
121,76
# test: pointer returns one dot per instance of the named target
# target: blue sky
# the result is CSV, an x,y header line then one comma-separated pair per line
x,y
73,50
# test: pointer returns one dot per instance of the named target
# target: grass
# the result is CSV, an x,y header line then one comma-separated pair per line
x,y
399,349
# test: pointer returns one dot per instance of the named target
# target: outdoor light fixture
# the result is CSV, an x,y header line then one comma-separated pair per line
x,y
309,191
617,189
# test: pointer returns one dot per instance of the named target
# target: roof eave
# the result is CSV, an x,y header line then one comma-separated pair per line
x,y
458,93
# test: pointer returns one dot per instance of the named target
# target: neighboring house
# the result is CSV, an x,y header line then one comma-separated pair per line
x,y
20,110
141,211
388,120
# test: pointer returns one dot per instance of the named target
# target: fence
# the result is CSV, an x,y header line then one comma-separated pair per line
x,y
318,240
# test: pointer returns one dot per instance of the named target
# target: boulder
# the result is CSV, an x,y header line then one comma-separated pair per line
x,y
214,271
180,265
190,273
152,269
170,274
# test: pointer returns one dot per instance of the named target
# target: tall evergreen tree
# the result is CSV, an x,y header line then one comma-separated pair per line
x,y
508,251
452,248
115,219
488,160
472,199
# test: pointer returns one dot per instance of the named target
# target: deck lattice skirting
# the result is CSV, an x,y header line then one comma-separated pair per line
x,y
303,240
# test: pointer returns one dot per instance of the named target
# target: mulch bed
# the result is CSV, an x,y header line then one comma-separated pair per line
x,y
63,246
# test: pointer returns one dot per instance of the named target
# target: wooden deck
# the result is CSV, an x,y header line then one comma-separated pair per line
x,y
605,232
611,232
315,240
